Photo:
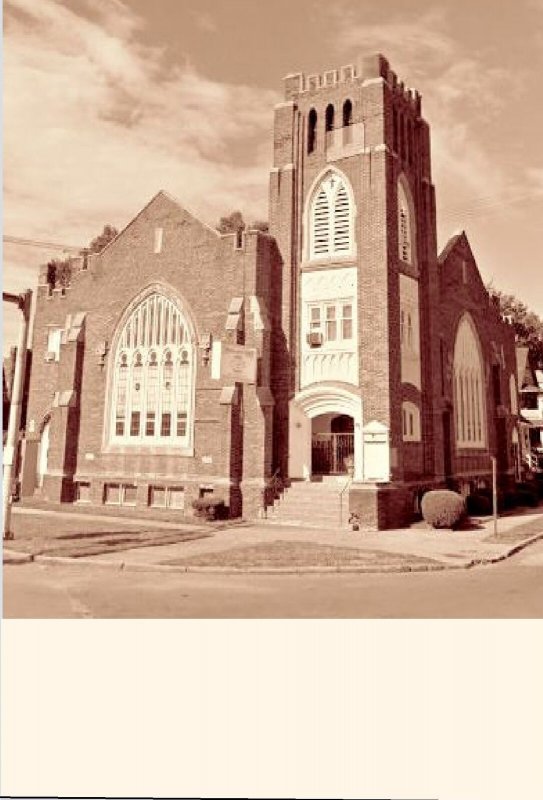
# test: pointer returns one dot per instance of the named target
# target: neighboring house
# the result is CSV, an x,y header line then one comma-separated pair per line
x,y
531,409
180,363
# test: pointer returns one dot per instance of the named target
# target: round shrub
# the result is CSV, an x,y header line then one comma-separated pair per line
x,y
527,497
209,508
510,500
479,505
443,508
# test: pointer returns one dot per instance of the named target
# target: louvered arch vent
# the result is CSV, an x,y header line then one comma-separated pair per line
x,y
331,219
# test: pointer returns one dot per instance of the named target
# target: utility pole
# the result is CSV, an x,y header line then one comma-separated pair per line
x,y
494,495
23,301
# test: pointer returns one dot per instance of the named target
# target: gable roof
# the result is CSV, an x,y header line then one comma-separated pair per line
x,y
459,239
171,199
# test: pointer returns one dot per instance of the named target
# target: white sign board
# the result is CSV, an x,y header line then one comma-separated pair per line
x,y
238,363
376,452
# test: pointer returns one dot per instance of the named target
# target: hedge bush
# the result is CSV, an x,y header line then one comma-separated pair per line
x,y
209,508
526,497
479,505
443,508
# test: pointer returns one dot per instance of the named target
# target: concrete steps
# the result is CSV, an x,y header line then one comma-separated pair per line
x,y
316,504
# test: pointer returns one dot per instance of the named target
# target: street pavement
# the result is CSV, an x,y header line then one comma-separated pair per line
x,y
68,565
510,589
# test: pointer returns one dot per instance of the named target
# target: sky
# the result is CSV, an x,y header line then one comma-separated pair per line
x,y
108,101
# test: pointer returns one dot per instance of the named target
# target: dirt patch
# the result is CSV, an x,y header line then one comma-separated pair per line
x,y
297,554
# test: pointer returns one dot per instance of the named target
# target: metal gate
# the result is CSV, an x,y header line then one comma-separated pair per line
x,y
331,452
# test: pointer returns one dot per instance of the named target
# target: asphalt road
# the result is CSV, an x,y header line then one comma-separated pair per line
x,y
513,589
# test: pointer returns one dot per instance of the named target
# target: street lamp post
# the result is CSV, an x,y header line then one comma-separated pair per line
x,y
23,302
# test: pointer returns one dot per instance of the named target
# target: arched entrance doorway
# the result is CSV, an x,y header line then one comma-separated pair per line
x,y
325,432
332,444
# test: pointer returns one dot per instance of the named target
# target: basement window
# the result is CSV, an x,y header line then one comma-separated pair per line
x,y
167,497
157,496
176,497
129,494
112,494
82,492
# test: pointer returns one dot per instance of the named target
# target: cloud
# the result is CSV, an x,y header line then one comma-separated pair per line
x,y
96,122
205,22
414,45
463,94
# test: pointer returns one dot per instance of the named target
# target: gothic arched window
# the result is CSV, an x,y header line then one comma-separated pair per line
x,y
331,219
153,376
405,225
469,387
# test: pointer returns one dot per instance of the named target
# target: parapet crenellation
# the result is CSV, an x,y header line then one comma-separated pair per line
x,y
367,68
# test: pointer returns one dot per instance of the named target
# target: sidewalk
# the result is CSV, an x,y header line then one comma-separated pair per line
x,y
149,544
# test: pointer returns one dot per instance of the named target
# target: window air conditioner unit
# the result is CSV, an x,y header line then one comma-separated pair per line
x,y
314,339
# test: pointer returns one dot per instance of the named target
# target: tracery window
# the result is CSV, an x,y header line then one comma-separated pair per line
x,y
153,376
331,219
469,383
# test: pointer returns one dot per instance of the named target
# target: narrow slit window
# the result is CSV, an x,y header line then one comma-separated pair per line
x,y
311,131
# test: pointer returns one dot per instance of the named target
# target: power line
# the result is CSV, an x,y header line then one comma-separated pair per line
x,y
45,245
483,205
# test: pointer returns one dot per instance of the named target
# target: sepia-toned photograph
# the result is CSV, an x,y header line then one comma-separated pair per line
x,y
272,310
272,400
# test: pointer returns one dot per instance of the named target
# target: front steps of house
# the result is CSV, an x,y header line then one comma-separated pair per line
x,y
317,504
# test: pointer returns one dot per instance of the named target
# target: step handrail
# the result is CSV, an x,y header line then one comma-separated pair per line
x,y
342,492
275,483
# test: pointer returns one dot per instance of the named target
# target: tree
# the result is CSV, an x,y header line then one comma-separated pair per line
x,y
59,273
100,241
528,326
233,223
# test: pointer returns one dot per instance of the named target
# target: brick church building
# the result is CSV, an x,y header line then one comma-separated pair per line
x,y
339,354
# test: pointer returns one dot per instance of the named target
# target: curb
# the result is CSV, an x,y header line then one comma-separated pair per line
x,y
476,562
15,557
122,566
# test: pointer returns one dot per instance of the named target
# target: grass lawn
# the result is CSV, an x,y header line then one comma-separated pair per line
x,y
297,554
77,538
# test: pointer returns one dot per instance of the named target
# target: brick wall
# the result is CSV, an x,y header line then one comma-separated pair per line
x,y
203,271
462,291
